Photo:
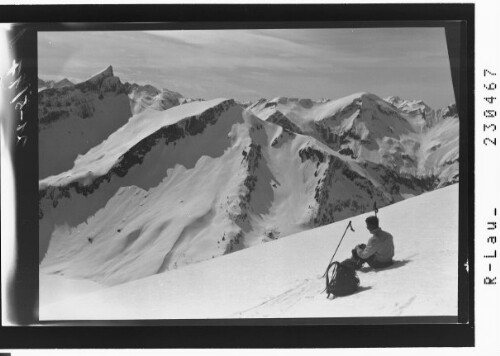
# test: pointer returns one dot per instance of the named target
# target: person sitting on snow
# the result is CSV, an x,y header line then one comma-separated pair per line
x,y
379,250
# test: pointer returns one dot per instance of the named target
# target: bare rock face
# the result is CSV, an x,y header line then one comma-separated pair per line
x,y
280,119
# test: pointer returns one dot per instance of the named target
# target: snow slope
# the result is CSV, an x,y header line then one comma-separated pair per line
x,y
183,181
194,182
101,158
282,278
439,151
365,127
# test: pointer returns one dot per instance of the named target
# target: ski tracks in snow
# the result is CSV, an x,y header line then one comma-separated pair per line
x,y
401,307
305,289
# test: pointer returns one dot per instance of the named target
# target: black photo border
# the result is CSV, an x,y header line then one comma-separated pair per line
x,y
458,21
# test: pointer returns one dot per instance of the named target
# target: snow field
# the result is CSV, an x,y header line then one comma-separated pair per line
x,y
282,278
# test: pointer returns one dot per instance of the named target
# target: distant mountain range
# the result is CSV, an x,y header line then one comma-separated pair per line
x,y
135,180
44,84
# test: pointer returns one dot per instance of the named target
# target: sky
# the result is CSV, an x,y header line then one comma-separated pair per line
x,y
250,64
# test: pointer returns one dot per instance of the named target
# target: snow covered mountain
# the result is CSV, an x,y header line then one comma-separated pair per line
x,y
393,132
144,97
420,114
73,119
137,181
439,130
283,278
198,181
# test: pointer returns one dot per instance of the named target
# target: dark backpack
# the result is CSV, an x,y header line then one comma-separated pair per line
x,y
341,279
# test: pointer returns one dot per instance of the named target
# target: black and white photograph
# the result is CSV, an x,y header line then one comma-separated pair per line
x,y
247,174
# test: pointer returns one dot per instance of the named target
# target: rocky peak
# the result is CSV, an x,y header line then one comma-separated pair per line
x,y
449,111
104,81
99,77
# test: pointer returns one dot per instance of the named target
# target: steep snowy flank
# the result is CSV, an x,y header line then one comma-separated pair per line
x,y
194,182
137,157
354,125
362,126
99,160
73,119
282,278
439,150
419,114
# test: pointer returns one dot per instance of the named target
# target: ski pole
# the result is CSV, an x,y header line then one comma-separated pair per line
x,y
375,207
348,226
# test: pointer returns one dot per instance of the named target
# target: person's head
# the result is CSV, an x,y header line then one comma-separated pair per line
x,y
371,223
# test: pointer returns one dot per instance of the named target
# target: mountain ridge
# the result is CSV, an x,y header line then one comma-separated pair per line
x,y
254,204
202,179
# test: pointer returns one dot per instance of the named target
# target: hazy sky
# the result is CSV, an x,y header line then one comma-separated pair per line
x,y
249,64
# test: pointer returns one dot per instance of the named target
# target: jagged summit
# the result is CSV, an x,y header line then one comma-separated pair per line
x,y
108,72
104,81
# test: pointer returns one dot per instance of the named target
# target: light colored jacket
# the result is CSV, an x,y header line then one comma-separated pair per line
x,y
381,245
